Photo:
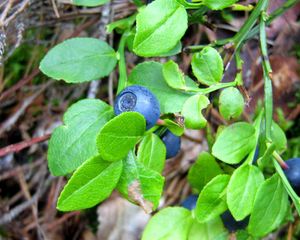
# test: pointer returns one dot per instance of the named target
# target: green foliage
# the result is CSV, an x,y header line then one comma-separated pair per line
x,y
203,170
163,21
234,142
79,60
210,230
150,75
140,184
212,199
93,181
174,127
170,223
270,207
152,153
175,77
231,103
75,141
242,189
120,135
218,5
207,66
192,111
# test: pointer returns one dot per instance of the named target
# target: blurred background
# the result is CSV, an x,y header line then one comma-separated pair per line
x,y
32,105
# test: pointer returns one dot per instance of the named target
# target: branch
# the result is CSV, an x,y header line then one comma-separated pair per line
x,y
21,145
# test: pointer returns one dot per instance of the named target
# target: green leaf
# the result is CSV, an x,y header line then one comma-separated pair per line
x,y
270,207
242,189
203,170
120,135
231,103
173,75
211,230
172,223
79,60
90,184
244,235
207,66
75,141
218,5
174,127
140,185
163,22
212,199
234,142
89,3
192,111
278,137
149,75
174,51
152,153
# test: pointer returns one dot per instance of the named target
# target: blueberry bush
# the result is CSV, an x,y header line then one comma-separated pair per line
x,y
241,184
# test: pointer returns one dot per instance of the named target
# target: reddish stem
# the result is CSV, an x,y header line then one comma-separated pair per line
x,y
21,145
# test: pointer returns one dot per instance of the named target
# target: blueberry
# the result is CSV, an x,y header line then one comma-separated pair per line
x,y
190,202
138,99
172,143
231,224
293,173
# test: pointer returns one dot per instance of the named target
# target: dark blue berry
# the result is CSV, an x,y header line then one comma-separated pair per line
x,y
172,143
190,202
231,224
138,99
293,173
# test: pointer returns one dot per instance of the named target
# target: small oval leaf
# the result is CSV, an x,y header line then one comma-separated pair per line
x,y
170,223
207,66
234,142
270,207
203,170
242,189
79,60
212,199
120,135
75,141
159,27
90,184
231,103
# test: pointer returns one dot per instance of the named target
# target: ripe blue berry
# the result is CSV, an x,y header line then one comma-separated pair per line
x,y
138,99
172,143
293,173
190,202
231,224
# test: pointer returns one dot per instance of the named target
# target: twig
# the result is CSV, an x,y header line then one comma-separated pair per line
x,y
18,11
55,9
20,84
26,167
13,213
64,218
24,188
5,12
21,145
6,126
8,217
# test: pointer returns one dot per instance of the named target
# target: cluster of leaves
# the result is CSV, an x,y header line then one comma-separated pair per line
x,y
106,152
